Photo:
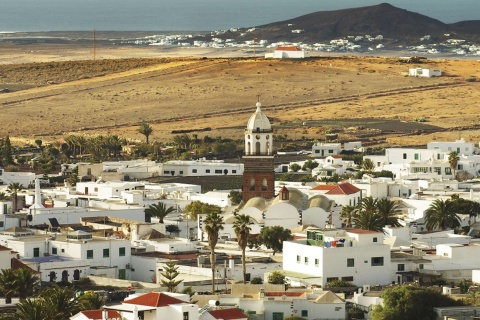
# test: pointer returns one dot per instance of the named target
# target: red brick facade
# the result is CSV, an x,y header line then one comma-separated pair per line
x,y
258,177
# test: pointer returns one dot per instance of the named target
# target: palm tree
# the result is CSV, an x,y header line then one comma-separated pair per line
x,y
62,301
368,220
159,210
7,284
13,188
441,214
389,211
347,214
242,229
25,282
31,309
453,161
213,223
3,196
368,204
146,130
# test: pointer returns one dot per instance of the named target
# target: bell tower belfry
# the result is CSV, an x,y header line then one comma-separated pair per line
x,y
258,173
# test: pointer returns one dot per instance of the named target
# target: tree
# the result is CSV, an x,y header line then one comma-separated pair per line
x,y
347,214
32,309
256,280
368,165
197,207
441,214
408,302
295,167
276,277
62,302
7,284
38,142
13,188
388,210
309,165
6,155
170,272
453,161
3,196
25,282
368,220
146,130
465,206
159,210
273,237
235,197
213,223
242,229
73,178
170,228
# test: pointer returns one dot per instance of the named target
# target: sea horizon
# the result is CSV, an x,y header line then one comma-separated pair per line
x,y
192,15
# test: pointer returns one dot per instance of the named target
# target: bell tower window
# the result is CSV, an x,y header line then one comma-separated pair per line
x,y
264,184
252,184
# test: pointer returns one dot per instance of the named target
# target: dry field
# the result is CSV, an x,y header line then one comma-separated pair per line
x,y
364,98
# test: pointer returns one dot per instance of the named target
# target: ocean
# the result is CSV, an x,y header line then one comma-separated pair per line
x,y
194,15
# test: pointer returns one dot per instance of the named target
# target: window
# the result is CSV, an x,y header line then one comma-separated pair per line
x,y
194,170
1,222
416,156
317,151
347,279
377,261
375,239
299,259
219,171
166,172
306,260
89,254
234,171
448,170
63,250
404,156
350,262
305,313
185,315
264,184
317,262
106,253
330,151
437,170
207,171
420,266
54,250
332,279
121,252
180,172
36,252
401,267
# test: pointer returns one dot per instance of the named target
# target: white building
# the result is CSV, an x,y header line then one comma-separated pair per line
x,y
326,149
287,52
422,72
354,255
200,168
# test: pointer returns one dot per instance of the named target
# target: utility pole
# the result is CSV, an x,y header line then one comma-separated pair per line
x,y
94,44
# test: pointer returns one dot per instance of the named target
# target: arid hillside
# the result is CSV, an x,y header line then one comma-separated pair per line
x,y
361,98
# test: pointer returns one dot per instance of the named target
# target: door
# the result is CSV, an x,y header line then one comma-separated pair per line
x,y
277,316
122,274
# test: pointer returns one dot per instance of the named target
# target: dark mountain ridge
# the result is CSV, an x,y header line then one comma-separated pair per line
x,y
397,25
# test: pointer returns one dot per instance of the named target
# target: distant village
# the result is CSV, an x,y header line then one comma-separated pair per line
x,y
326,247
353,43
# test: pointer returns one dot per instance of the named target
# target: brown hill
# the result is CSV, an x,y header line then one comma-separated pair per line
x,y
397,25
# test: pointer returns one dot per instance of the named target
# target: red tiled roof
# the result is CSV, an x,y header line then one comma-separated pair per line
x,y
344,188
336,156
97,314
228,314
288,48
284,293
3,248
327,187
154,299
17,264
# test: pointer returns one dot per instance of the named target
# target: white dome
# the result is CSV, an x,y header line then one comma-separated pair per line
x,y
259,120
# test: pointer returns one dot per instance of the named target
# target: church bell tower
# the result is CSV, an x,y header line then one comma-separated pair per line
x,y
258,174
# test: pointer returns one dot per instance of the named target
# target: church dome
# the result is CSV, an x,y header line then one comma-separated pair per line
x,y
259,121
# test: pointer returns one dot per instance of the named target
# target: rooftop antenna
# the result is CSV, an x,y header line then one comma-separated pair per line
x,y
258,98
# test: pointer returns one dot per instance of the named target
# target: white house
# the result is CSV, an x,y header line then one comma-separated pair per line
x,y
287,52
424,72
320,149
354,255
97,315
460,146
200,168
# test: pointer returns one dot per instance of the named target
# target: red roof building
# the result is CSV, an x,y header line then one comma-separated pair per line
x,y
154,299
96,315
225,314
344,189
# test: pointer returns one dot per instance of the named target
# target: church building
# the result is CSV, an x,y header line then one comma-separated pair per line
x,y
258,174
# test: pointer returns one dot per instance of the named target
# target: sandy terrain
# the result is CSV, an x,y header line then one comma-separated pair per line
x,y
361,97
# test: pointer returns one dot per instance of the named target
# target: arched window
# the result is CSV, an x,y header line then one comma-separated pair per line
x,y
268,147
264,184
249,147
257,147
64,276
252,184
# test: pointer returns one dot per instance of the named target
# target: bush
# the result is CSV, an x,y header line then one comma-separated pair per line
x,y
276,277
256,280
339,284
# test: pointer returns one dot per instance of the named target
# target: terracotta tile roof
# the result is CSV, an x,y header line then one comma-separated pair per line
x,y
361,231
344,188
17,264
3,248
288,48
154,299
228,314
97,314
336,156
326,187
284,293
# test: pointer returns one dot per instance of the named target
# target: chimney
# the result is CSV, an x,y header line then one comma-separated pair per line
x,y
38,195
